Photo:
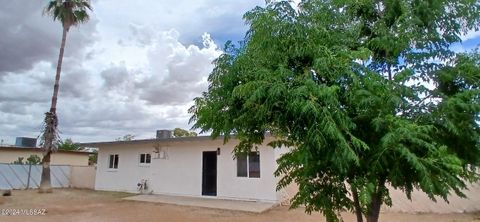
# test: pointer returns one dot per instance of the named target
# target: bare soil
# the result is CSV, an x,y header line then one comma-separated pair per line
x,y
86,205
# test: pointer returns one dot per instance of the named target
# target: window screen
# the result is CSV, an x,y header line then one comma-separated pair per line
x,y
145,158
148,158
113,161
248,165
242,166
110,161
254,165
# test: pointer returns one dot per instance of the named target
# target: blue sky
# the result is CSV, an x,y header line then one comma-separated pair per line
x,y
469,43
132,69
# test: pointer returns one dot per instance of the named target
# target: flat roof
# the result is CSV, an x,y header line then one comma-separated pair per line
x,y
172,139
163,140
38,149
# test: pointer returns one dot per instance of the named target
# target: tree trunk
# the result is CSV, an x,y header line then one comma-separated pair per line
x,y
377,200
374,212
45,184
53,107
390,77
356,203
50,132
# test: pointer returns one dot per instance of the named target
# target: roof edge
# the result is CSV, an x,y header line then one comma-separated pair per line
x,y
173,139
38,149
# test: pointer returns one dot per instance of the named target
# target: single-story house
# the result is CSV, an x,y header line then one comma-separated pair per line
x,y
188,166
202,167
9,154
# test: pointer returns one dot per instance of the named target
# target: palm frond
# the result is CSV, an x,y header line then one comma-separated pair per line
x,y
68,12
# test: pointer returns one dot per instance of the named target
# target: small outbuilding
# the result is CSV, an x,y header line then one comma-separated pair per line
x,y
9,154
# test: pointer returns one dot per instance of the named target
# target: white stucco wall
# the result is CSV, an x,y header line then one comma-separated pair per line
x,y
181,172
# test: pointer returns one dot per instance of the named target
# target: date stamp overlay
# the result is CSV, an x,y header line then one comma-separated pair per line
x,y
22,212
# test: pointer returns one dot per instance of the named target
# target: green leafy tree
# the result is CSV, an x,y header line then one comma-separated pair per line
x,y
92,158
178,132
31,160
19,161
69,13
69,145
347,85
34,160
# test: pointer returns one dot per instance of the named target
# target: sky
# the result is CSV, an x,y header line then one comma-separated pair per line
x,y
134,68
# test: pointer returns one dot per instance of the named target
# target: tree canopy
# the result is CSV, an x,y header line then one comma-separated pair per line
x,y
69,145
178,132
364,93
127,137
69,12
31,160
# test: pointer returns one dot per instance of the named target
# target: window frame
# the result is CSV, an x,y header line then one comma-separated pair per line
x,y
147,159
113,160
248,165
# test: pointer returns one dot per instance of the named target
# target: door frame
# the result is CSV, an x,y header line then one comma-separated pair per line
x,y
205,189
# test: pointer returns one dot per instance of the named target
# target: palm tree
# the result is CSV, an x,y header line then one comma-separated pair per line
x,y
69,13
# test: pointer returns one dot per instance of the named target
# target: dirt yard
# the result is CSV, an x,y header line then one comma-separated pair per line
x,y
85,205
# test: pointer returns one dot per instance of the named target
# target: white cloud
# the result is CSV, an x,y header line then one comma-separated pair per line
x,y
472,34
28,37
155,94
102,104
132,69
178,72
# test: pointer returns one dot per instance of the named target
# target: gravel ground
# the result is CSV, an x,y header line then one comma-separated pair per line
x,y
86,205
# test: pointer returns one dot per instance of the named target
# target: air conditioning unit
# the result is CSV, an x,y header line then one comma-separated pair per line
x,y
159,153
26,142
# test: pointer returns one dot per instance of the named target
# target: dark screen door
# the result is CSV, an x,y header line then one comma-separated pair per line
x,y
209,173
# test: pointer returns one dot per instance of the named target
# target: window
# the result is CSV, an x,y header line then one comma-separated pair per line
x,y
145,158
248,165
242,166
113,161
254,165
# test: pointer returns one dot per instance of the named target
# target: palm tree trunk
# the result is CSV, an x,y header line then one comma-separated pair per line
x,y
53,107
50,132
45,184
